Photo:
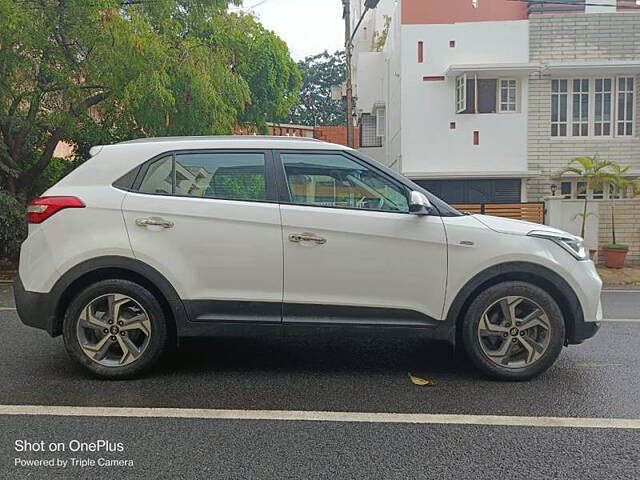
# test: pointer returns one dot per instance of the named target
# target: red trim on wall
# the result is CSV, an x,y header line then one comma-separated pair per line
x,y
433,79
420,52
456,11
626,5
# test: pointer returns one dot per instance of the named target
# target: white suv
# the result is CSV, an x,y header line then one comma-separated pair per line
x,y
153,240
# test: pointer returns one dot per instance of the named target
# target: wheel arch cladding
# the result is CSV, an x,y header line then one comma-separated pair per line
x,y
531,273
105,268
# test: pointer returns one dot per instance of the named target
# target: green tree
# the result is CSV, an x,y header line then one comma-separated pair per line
x,y
98,71
596,173
380,38
622,184
316,107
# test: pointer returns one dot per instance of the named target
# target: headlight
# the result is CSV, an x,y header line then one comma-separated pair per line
x,y
573,245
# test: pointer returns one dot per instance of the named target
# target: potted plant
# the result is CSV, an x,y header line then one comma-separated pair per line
x,y
615,253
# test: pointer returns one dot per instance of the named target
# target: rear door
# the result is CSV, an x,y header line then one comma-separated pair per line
x,y
352,252
209,222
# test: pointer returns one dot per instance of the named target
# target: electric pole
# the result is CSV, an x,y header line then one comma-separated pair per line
x,y
348,45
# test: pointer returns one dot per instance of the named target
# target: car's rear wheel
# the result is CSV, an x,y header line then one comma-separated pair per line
x,y
116,329
513,331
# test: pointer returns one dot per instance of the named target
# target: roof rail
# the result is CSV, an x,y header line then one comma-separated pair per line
x,y
219,137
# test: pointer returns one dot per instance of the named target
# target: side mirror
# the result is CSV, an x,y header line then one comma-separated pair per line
x,y
419,204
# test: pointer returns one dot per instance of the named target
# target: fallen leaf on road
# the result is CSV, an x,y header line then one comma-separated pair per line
x,y
421,382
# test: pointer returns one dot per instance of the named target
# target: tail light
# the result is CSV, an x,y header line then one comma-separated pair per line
x,y
43,207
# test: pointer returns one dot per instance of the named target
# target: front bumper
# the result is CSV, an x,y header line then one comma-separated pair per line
x,y
35,309
582,330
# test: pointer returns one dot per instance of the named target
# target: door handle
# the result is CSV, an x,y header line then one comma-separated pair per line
x,y
154,222
306,237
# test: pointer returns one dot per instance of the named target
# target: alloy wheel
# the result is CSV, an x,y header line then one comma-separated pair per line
x,y
514,332
113,330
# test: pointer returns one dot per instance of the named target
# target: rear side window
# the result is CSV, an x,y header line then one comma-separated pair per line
x,y
159,177
225,176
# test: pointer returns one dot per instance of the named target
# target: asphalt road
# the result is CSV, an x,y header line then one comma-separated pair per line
x,y
599,379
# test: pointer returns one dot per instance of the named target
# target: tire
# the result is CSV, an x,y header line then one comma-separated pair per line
x,y
498,347
94,339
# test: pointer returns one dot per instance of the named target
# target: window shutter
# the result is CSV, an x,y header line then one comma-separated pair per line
x,y
461,93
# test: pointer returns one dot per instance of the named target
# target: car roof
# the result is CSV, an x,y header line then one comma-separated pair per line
x,y
109,162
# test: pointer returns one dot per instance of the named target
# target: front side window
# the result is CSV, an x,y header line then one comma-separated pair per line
x,y
333,180
224,176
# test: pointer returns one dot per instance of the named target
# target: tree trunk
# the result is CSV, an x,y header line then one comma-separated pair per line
x,y
613,224
584,216
12,185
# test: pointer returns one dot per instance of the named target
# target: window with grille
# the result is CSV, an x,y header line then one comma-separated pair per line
x,y
559,107
593,107
369,137
626,109
580,103
508,95
603,106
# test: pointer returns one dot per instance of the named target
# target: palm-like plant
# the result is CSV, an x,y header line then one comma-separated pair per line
x,y
596,172
621,183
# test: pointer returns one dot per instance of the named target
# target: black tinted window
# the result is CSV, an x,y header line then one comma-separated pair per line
x,y
229,176
158,178
226,176
333,180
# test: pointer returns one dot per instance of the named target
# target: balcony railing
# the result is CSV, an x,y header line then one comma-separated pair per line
x,y
555,6
575,6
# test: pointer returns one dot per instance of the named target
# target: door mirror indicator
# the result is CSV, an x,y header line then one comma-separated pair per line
x,y
419,204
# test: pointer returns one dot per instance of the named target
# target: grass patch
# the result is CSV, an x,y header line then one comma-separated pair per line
x,y
626,276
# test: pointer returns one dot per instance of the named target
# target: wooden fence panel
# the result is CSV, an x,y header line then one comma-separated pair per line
x,y
530,212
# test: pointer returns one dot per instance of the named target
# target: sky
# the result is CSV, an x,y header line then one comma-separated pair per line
x,y
308,26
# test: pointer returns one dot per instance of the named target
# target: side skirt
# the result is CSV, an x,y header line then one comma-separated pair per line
x,y
241,319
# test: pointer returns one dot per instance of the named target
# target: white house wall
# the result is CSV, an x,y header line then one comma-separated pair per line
x,y
371,69
429,145
393,94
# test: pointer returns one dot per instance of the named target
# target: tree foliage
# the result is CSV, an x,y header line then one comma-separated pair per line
x,y
98,71
320,73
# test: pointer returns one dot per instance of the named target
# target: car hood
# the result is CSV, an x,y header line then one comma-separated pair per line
x,y
516,227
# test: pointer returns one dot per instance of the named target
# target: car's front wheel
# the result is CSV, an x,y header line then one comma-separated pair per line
x,y
116,329
513,331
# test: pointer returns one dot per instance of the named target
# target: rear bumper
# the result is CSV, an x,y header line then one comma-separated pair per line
x,y
35,309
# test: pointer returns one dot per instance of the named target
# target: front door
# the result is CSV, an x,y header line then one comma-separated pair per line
x,y
208,221
352,252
